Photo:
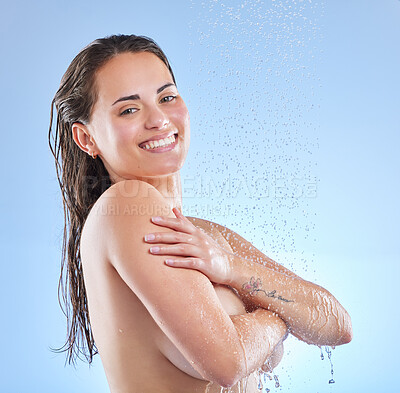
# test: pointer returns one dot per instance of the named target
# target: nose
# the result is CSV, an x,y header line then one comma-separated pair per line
x,y
156,118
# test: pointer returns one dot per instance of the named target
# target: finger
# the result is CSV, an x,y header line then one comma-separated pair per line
x,y
188,263
169,237
178,213
183,249
174,223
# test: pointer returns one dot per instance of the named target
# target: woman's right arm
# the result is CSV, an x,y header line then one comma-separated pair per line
x,y
182,302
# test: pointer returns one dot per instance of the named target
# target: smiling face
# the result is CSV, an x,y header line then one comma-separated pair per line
x,y
139,123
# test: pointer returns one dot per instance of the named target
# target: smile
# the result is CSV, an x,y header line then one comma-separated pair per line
x,y
161,145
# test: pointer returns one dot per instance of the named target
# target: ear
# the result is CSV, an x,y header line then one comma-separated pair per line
x,y
83,139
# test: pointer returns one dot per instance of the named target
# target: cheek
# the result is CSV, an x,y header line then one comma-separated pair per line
x,y
122,133
181,115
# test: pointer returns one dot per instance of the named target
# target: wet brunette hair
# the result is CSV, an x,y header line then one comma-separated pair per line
x,y
82,179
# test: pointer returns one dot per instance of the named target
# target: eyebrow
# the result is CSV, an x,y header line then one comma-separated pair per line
x,y
137,97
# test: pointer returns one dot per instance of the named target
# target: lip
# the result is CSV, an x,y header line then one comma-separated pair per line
x,y
162,149
158,137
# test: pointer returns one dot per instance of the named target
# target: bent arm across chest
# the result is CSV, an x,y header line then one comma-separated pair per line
x,y
183,302
311,312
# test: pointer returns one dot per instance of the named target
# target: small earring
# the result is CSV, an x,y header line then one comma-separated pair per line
x,y
94,156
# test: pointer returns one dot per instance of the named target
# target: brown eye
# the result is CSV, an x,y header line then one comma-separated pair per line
x,y
129,111
168,98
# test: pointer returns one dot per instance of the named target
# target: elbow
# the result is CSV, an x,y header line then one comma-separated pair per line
x,y
348,336
333,333
229,375
347,331
339,324
228,371
231,379
229,382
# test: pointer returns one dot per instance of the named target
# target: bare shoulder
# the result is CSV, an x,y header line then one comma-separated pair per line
x,y
125,200
124,191
122,199
205,224
235,241
242,247
212,229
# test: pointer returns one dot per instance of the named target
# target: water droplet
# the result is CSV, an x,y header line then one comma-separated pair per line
x,y
277,384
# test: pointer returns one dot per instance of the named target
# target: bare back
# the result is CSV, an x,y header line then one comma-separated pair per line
x,y
136,355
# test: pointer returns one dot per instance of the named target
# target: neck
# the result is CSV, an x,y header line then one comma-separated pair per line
x,y
169,186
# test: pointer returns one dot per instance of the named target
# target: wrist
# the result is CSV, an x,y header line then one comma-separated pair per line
x,y
234,271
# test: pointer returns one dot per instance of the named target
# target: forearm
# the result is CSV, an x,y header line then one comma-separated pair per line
x,y
259,332
311,313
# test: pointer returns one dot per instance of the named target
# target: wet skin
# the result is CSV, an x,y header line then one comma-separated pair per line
x,y
159,328
136,354
138,102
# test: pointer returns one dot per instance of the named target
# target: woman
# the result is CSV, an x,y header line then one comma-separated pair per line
x,y
171,303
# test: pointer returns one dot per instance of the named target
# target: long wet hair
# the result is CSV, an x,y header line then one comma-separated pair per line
x,y
81,178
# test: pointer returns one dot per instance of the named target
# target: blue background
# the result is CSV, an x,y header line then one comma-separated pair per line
x,y
295,140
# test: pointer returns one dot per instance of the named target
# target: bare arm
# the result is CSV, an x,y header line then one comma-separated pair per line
x,y
182,302
244,249
260,328
311,312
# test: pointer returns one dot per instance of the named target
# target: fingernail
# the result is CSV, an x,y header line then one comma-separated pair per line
x,y
154,249
169,261
150,236
156,219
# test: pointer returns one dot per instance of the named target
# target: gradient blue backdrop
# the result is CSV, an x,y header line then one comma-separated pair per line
x,y
298,98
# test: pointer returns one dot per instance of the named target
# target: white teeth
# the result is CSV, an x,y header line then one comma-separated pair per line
x,y
160,143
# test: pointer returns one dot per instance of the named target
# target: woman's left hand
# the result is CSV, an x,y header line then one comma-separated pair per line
x,y
191,248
